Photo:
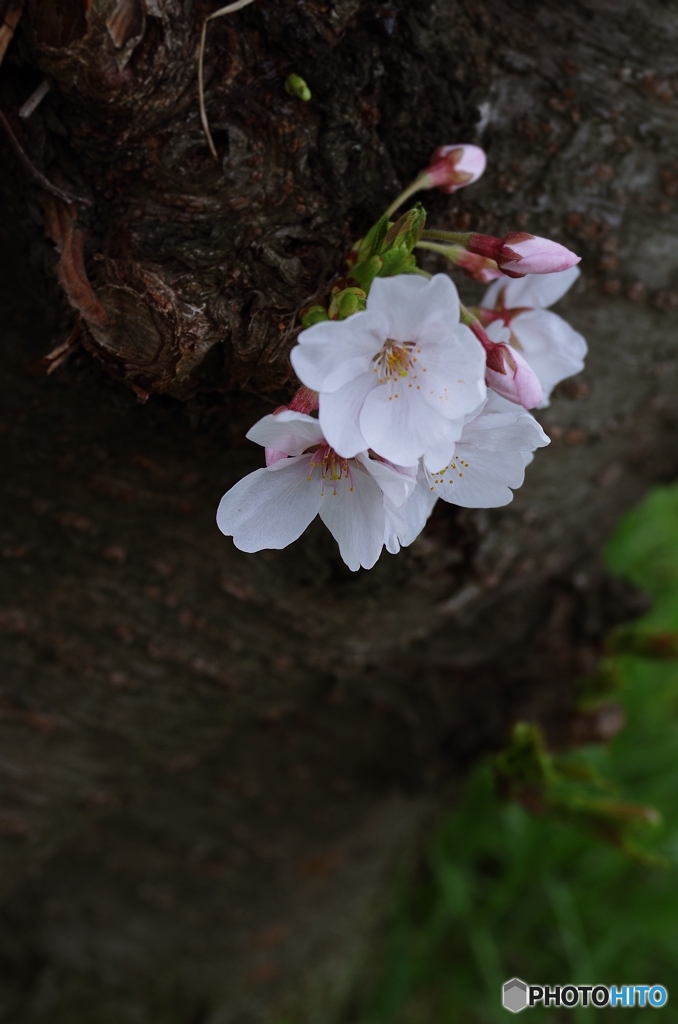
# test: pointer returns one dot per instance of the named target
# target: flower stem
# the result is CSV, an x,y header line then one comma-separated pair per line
x,y
455,237
452,252
494,353
467,317
418,183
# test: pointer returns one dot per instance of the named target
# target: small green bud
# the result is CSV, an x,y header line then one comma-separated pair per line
x,y
347,302
313,315
407,230
296,86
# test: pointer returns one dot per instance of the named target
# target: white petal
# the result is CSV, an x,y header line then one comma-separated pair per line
x,y
405,524
410,302
288,431
395,483
391,538
449,372
502,428
353,512
270,508
339,415
553,349
403,428
491,296
536,291
498,332
480,479
333,352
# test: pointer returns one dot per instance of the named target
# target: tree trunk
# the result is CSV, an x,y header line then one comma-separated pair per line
x,y
212,761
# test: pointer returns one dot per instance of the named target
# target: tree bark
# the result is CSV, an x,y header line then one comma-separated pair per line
x,y
211,761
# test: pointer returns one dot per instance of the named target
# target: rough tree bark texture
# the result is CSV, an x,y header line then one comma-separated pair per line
x,y
211,762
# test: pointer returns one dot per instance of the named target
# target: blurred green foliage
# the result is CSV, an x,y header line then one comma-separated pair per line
x,y
580,892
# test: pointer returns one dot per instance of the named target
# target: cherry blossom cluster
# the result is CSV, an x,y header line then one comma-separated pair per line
x,y
407,396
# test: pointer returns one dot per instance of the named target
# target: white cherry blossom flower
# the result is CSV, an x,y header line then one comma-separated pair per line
x,y
399,378
488,464
272,507
552,348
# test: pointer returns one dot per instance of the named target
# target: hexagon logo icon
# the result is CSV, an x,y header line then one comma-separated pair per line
x,y
514,995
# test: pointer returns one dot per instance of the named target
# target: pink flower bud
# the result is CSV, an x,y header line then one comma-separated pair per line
x,y
507,372
519,254
452,167
519,383
530,254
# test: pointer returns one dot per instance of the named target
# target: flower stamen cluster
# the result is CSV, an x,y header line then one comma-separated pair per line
x,y
396,360
331,466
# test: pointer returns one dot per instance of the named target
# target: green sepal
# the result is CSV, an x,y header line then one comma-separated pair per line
x,y
366,271
376,235
370,245
411,268
397,261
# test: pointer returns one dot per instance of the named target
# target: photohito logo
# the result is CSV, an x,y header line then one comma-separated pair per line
x,y
517,995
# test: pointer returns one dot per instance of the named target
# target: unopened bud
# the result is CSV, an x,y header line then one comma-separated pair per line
x,y
452,167
296,86
507,372
519,253
406,231
518,382
347,302
313,315
535,255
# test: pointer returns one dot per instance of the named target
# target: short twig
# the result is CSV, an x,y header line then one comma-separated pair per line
x,y
229,9
62,352
8,27
35,99
38,175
